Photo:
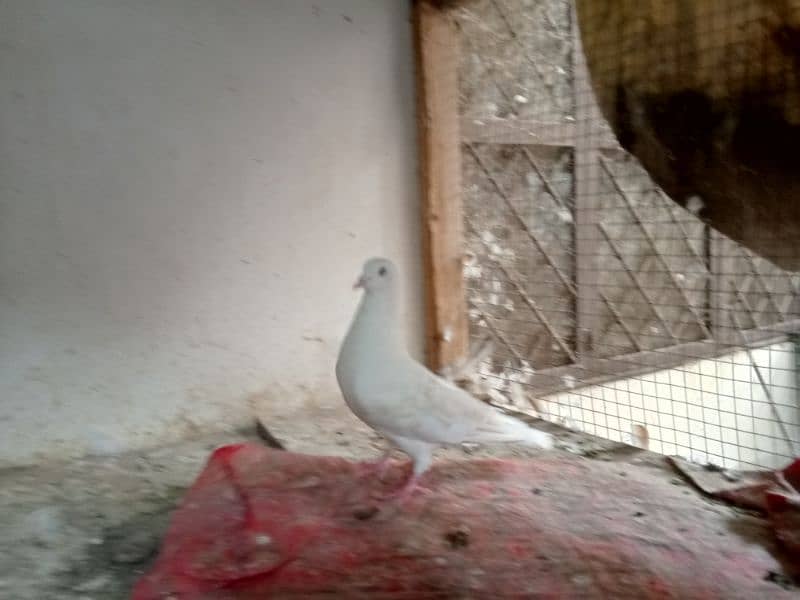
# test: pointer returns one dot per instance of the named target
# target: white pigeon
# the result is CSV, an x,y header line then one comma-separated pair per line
x,y
416,410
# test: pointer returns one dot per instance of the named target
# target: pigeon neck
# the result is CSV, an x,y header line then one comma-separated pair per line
x,y
378,317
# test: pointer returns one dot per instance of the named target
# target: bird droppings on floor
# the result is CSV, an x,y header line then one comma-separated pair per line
x,y
88,529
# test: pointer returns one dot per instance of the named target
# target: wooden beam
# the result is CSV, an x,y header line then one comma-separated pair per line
x,y
436,41
588,305
517,132
528,132
596,371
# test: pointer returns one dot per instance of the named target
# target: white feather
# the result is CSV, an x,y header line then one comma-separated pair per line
x,y
397,396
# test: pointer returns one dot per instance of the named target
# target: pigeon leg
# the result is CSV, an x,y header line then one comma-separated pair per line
x,y
379,466
421,454
407,489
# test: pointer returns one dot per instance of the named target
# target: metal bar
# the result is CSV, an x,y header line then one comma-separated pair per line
x,y
793,296
795,340
547,185
490,69
620,321
540,315
743,299
765,387
496,332
559,273
757,274
530,302
793,281
523,50
717,263
470,364
759,309
651,303
683,231
652,243
787,304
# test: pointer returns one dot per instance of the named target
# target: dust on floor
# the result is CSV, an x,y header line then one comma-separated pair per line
x,y
87,529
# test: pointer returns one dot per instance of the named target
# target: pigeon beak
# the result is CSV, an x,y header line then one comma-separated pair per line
x,y
359,283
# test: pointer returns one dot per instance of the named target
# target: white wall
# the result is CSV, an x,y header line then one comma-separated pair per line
x,y
713,410
187,192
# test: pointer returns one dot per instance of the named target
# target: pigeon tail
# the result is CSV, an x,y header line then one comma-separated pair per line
x,y
506,429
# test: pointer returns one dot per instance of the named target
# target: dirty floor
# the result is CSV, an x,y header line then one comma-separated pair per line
x,y
88,529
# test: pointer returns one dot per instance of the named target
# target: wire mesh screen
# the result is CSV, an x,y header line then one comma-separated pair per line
x,y
613,308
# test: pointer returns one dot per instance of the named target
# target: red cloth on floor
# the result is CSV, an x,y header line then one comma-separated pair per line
x,y
779,497
262,523
775,493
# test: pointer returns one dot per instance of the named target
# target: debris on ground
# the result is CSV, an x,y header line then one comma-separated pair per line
x,y
773,493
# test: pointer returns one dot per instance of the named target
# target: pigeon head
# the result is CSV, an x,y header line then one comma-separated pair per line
x,y
378,274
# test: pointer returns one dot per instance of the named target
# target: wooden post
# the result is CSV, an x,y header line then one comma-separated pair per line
x,y
587,198
436,39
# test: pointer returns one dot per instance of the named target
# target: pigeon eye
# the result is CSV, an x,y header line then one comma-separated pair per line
x,y
382,271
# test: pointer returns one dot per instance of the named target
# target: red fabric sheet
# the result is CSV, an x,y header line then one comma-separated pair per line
x,y
774,493
262,523
777,495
